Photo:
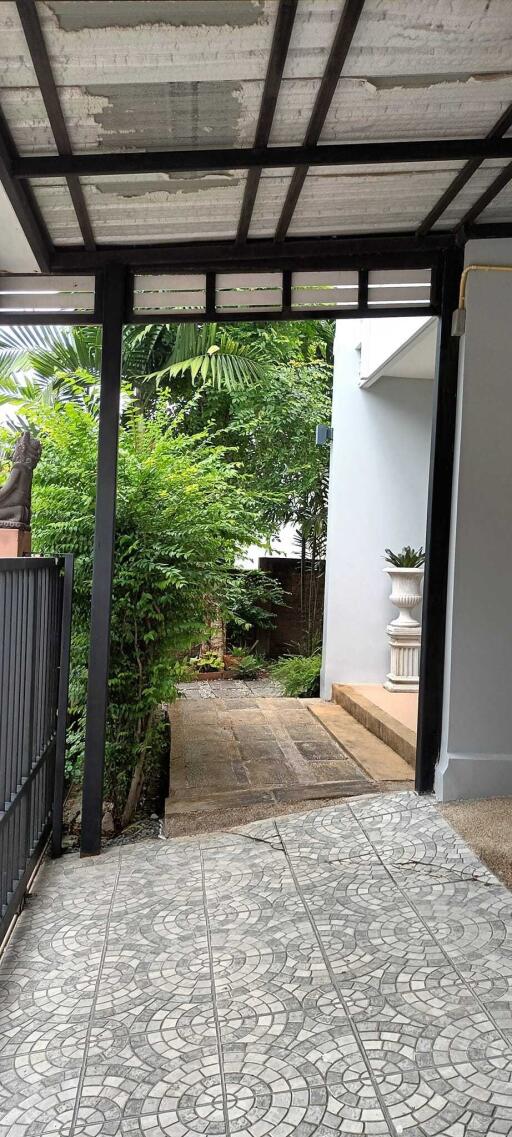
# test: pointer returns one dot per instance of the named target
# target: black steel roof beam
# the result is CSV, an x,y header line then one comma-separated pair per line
x,y
247,158
23,202
41,62
359,251
492,191
484,229
280,42
462,178
276,316
340,48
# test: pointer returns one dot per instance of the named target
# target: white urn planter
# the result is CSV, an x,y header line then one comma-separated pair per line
x,y
404,632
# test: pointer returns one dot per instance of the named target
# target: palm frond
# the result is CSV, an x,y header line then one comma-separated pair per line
x,y
203,353
55,353
10,361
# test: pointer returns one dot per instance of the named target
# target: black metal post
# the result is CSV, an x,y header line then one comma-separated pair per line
x,y
114,304
62,705
430,707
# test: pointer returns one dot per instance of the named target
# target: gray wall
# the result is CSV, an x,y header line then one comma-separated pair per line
x,y
476,753
377,499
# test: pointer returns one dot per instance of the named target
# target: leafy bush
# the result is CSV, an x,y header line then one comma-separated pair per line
x,y
298,675
253,596
182,672
408,558
183,515
248,666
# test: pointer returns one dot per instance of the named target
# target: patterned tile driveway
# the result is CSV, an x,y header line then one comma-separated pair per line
x,y
343,971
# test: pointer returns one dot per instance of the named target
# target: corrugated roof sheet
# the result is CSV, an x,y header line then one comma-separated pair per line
x,y
164,74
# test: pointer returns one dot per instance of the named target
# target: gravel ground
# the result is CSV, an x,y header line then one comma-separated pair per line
x,y
230,689
487,828
141,830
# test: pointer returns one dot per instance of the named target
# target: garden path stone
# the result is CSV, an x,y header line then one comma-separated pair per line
x,y
232,753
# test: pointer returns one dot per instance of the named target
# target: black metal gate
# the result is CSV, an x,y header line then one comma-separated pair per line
x,y
35,625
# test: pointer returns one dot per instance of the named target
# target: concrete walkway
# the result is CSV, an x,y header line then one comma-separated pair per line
x,y
346,971
237,756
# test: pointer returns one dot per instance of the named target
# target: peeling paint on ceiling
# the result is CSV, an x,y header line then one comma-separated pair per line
x,y
77,15
161,114
424,82
183,74
166,185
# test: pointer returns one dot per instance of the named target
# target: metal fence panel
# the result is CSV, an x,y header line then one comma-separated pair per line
x,y
35,623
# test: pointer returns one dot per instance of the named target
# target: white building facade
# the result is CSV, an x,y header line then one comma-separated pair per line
x,y
381,421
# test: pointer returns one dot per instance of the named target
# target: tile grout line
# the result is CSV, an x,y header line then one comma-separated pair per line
x,y
216,1020
353,1026
451,962
88,1034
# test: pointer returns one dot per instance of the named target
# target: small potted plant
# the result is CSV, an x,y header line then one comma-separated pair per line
x,y
406,573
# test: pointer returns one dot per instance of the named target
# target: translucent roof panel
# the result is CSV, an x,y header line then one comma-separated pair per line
x,y
161,207
145,75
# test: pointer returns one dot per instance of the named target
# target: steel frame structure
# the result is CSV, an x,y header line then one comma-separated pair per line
x,y
114,265
116,310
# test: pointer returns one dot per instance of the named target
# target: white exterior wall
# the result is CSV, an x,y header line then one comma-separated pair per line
x,y
377,498
476,750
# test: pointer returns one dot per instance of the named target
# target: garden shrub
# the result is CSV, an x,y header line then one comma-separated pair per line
x,y
183,516
298,675
254,595
249,666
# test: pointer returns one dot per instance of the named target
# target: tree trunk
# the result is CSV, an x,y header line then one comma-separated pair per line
x,y
134,792
312,582
137,781
302,583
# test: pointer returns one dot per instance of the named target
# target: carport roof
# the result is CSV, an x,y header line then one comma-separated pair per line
x,y
146,130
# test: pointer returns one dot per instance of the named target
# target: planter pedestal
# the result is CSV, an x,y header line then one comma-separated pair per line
x,y
404,633
405,647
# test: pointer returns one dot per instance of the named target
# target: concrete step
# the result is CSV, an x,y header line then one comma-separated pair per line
x,y
371,754
377,721
274,794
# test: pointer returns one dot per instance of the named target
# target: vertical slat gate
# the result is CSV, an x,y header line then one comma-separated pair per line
x,y
35,625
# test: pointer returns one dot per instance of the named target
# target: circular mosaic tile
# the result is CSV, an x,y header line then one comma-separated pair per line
x,y
262,1092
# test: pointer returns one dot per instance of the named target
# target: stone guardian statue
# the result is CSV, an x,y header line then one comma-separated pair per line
x,y
16,495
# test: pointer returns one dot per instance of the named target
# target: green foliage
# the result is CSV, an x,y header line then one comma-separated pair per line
x,y
252,597
216,451
259,388
292,343
272,423
249,666
408,558
183,515
298,675
49,365
182,672
207,354
208,661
